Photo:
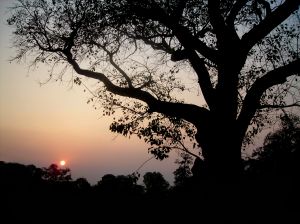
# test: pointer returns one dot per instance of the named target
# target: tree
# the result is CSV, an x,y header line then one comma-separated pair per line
x,y
183,172
82,184
121,185
55,174
243,56
15,175
280,155
155,183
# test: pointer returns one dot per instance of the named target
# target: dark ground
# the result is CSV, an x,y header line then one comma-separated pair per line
x,y
26,198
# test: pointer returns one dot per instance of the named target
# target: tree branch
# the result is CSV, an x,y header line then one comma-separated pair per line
x,y
190,44
235,10
185,149
216,19
114,64
48,48
266,5
227,38
188,40
296,104
252,99
156,13
178,10
203,78
188,112
270,22
163,46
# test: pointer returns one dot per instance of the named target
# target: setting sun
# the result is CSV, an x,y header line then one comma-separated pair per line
x,y
62,162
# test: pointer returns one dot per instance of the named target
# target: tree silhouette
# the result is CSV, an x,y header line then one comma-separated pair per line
x,y
55,174
15,175
183,172
120,185
82,184
280,154
155,183
242,55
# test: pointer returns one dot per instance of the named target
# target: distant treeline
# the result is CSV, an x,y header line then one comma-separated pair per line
x,y
39,195
268,191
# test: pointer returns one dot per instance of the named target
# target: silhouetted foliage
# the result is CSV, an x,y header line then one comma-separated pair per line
x,y
243,56
55,174
155,183
183,172
117,199
280,154
18,175
82,184
119,185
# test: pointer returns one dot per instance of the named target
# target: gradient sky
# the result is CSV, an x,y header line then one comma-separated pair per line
x,y
41,125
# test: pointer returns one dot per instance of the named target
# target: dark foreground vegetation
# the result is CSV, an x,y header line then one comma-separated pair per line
x,y
27,197
49,195
268,191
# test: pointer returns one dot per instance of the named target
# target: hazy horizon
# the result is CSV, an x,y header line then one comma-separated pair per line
x,y
41,125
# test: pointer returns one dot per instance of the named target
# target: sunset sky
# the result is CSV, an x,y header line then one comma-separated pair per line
x,y
45,124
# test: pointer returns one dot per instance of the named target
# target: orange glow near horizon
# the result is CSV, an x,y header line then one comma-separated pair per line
x,y
62,162
42,124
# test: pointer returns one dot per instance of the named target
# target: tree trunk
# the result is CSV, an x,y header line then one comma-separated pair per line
x,y
221,149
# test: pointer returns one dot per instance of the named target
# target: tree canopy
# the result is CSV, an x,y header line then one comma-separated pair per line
x,y
279,155
242,57
55,174
155,183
